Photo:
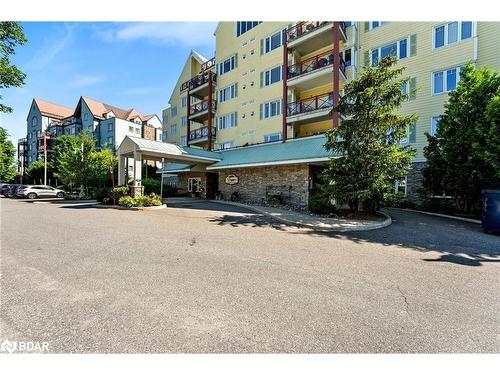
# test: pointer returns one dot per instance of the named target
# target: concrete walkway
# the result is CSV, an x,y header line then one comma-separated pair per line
x,y
314,222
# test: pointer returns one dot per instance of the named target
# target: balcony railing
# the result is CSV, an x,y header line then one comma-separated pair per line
x,y
315,103
200,133
313,63
305,27
202,106
199,80
208,64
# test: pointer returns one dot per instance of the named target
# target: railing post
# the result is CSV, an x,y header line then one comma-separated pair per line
x,y
336,71
285,88
210,104
188,115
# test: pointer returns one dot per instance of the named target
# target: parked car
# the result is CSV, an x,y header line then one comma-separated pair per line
x,y
8,190
39,191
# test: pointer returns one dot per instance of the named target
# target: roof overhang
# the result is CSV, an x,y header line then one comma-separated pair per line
x,y
271,163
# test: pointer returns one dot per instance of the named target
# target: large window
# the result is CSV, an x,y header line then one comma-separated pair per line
x,y
272,137
273,75
226,145
184,101
184,121
272,42
228,93
400,186
227,65
398,49
452,32
374,24
173,129
227,121
270,109
194,185
244,26
173,111
183,140
445,80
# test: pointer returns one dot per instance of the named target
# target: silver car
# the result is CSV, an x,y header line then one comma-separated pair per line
x,y
39,191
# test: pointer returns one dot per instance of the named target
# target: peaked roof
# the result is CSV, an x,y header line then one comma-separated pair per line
x,y
53,110
98,109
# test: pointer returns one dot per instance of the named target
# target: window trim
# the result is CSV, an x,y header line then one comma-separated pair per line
x,y
396,185
270,36
269,102
269,70
432,132
397,42
270,135
445,79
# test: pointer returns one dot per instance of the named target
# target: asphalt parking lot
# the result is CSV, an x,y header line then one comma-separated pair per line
x,y
207,277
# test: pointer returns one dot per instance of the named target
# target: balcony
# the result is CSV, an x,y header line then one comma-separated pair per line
x,y
199,85
209,64
316,108
200,135
201,110
313,72
309,36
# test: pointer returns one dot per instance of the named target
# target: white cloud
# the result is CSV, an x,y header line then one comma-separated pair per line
x,y
190,34
52,47
84,81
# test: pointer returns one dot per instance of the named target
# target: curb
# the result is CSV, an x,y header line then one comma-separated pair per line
x,y
474,221
377,225
117,207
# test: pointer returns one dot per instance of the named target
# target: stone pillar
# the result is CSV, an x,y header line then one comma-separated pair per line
x,y
137,189
121,170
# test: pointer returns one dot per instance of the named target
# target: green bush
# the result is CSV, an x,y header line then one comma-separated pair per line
x,y
151,186
319,203
141,201
169,190
100,194
118,192
126,201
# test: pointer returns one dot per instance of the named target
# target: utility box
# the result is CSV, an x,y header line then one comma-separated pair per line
x,y
490,218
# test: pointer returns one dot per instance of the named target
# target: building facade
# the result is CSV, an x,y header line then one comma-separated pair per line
x,y
106,123
278,81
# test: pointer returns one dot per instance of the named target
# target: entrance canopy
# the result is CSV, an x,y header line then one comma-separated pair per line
x,y
140,149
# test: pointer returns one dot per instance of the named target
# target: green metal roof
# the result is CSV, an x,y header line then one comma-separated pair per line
x,y
300,150
292,151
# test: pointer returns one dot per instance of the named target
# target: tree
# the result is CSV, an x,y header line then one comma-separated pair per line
x,y
7,157
463,156
77,163
11,35
368,155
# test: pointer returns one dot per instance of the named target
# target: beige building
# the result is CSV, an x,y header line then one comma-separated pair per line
x,y
277,81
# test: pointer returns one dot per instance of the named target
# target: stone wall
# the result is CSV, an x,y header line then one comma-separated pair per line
x,y
255,184
149,132
182,182
414,181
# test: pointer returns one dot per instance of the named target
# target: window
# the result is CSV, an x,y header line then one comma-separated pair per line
x,y
173,129
34,121
165,119
228,93
405,88
184,101
164,135
110,127
374,24
131,129
272,42
446,80
194,184
110,141
272,137
434,124
173,111
137,131
268,77
227,65
184,121
227,121
347,56
158,135
73,130
399,49
85,117
270,109
400,186
183,140
452,32
244,26
226,145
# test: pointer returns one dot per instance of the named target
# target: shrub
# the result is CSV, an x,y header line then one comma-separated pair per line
x,y
151,186
100,194
169,190
153,200
319,203
118,192
126,201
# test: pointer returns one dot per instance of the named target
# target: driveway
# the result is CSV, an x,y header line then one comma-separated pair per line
x,y
202,277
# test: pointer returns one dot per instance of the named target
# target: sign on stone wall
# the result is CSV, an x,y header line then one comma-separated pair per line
x,y
232,179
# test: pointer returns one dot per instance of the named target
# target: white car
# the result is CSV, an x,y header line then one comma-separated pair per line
x,y
39,191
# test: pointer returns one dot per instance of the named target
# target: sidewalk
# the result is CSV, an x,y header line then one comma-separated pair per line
x,y
314,222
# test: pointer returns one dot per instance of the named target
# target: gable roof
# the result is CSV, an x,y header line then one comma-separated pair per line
x,y
53,110
187,65
98,110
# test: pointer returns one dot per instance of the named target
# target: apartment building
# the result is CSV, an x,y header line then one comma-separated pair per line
x,y
274,83
108,124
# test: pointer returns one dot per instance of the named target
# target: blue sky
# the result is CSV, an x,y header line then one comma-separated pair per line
x,y
122,64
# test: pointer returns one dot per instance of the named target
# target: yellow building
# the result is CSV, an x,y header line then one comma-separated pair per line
x,y
271,82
